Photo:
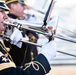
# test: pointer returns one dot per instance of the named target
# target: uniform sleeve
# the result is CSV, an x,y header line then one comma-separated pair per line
x,y
39,66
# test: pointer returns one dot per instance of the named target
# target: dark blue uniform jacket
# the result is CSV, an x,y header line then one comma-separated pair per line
x,y
39,66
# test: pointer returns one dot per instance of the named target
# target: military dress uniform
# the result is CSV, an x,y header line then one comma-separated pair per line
x,y
39,66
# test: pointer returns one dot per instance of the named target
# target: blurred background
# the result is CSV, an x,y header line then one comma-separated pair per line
x,y
64,63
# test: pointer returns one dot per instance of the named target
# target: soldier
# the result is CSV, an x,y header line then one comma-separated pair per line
x,y
39,66
17,8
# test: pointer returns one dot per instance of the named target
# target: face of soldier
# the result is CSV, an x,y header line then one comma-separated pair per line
x,y
3,16
18,9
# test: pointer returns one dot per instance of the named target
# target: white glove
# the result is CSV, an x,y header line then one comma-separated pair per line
x,y
16,37
49,50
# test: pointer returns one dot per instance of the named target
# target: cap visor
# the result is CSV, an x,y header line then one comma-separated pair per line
x,y
3,5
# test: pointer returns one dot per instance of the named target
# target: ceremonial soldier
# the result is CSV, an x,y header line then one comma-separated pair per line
x,y
16,11
39,66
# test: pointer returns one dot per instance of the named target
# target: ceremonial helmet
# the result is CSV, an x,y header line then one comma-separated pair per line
x,y
3,5
12,1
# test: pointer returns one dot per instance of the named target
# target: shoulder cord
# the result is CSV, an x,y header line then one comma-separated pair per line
x,y
34,65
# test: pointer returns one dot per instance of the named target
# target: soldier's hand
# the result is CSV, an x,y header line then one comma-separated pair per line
x,y
49,50
16,37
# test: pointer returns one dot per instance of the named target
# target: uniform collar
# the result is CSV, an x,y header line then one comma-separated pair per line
x,y
12,16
